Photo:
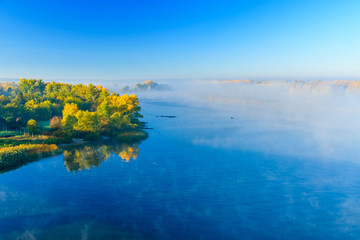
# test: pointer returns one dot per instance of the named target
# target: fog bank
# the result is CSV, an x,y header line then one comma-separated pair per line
x,y
314,119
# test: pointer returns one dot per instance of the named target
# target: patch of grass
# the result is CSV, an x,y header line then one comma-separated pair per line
x,y
7,133
132,136
28,139
44,125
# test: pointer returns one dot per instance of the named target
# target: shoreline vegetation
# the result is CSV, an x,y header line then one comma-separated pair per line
x,y
16,156
38,119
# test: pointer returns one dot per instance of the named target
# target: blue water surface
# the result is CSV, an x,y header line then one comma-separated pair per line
x,y
168,187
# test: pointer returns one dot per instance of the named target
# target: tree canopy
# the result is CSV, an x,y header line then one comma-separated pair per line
x,y
75,108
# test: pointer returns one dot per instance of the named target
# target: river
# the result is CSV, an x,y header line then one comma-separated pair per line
x,y
186,181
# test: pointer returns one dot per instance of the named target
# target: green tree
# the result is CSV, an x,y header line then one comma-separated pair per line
x,y
120,122
19,99
68,125
32,126
43,112
32,86
87,122
69,109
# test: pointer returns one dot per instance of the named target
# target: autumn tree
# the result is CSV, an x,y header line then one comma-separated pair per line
x,y
55,122
126,105
31,126
120,122
69,118
87,122
70,109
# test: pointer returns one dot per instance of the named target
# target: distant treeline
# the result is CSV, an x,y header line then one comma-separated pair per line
x,y
146,86
8,88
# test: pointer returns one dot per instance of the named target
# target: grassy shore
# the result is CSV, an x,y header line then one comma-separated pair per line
x,y
16,151
13,157
132,136
27,139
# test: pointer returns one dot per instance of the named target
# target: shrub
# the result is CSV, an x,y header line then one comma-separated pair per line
x,y
51,141
55,122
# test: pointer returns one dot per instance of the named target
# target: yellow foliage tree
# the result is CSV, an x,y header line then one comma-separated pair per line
x,y
87,122
69,109
31,126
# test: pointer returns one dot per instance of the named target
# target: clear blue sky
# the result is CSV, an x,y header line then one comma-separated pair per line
x,y
170,39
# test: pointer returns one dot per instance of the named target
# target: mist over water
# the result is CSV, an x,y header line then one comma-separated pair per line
x,y
318,120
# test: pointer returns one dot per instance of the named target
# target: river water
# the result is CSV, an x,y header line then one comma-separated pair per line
x,y
188,180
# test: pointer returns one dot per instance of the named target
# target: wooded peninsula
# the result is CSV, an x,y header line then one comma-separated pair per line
x,y
37,117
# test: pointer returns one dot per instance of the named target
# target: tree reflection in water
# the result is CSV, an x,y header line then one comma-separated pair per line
x,y
93,155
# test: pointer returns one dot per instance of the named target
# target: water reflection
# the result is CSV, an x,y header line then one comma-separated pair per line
x,y
128,152
85,157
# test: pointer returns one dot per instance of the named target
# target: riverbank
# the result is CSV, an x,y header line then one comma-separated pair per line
x,y
13,157
16,151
